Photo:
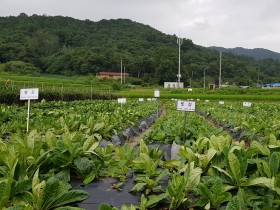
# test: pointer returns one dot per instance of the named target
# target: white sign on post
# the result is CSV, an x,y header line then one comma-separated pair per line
x,y
221,102
141,99
187,106
247,104
28,94
121,100
156,93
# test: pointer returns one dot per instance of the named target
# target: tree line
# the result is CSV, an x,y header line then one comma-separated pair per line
x,y
64,45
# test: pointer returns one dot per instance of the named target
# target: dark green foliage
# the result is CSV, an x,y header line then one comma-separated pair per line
x,y
64,45
21,67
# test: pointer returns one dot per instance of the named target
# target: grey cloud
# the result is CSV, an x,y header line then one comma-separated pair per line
x,y
227,23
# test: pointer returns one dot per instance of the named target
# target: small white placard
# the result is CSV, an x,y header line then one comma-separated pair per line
x,y
141,99
149,99
221,102
187,106
247,104
206,100
156,93
121,100
30,93
189,89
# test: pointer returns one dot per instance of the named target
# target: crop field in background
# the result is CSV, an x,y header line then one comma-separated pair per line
x,y
222,156
67,88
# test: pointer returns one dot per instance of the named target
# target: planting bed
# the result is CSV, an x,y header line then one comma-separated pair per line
x,y
183,161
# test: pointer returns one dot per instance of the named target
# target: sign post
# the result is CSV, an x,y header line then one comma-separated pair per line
x,y
186,106
247,104
121,101
156,95
28,94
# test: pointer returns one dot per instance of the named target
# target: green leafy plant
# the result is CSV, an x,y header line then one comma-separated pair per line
x,y
71,153
148,184
212,194
52,193
13,185
179,186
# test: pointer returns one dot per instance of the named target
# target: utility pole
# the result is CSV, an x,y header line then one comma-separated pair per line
x,y
220,74
121,71
179,42
204,76
124,75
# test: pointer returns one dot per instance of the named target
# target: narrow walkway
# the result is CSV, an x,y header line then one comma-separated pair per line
x,y
135,140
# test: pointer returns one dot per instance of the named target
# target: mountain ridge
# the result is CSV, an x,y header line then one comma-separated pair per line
x,y
257,53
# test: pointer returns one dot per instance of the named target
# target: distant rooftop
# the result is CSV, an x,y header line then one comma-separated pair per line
x,y
271,85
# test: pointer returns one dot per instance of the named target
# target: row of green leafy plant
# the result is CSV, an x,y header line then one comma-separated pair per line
x,y
212,171
102,117
36,167
177,126
260,120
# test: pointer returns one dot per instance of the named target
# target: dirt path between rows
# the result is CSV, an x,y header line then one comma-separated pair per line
x,y
135,140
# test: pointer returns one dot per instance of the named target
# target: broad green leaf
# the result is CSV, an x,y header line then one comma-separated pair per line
x,y
274,163
234,204
38,190
20,207
234,166
98,126
188,154
69,208
90,177
153,200
3,196
192,176
224,172
261,181
263,149
163,174
138,187
105,206
70,197
83,165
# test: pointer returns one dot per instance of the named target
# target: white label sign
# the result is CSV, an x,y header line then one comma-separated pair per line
x,y
141,99
156,94
247,104
121,100
221,102
187,106
30,93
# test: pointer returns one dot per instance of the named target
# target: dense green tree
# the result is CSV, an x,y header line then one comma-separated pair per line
x,y
21,67
63,45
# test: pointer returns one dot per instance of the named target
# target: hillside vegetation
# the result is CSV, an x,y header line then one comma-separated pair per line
x,y
63,45
257,53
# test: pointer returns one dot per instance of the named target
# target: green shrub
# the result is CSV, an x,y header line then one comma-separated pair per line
x,y
21,67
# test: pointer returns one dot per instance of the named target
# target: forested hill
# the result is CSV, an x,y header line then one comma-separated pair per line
x,y
257,53
63,45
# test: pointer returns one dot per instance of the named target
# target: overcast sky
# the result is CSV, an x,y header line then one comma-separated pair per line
x,y
225,23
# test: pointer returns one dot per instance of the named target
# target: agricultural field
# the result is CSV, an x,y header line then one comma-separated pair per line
x,y
69,88
222,156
